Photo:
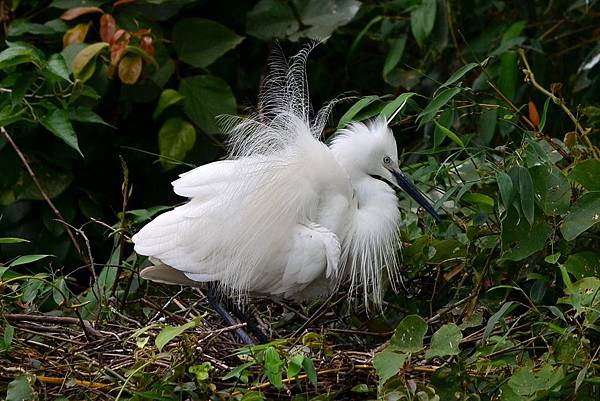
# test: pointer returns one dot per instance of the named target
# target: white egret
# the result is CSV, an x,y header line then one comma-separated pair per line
x,y
286,215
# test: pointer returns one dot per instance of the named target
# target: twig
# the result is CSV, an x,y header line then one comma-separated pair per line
x,y
87,327
125,191
62,380
56,212
583,132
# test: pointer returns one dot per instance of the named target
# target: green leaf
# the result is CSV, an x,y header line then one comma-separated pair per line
x,y
12,240
175,138
505,185
271,19
205,98
15,55
273,367
520,239
168,333
85,115
57,122
360,36
583,264
544,115
201,371
19,389
527,381
526,194
253,396
409,334
396,106
587,174
445,341
509,74
387,364
20,26
422,20
83,64
323,17
348,116
584,214
294,365
58,66
311,372
167,98
60,291
25,259
9,333
552,190
489,327
394,55
200,42
453,137
487,125
458,74
437,103
10,114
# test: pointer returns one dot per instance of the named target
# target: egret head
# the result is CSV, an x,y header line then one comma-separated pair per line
x,y
370,150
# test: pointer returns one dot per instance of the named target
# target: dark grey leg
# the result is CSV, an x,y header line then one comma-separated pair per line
x,y
214,299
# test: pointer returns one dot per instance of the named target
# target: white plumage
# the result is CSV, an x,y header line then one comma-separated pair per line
x,y
285,214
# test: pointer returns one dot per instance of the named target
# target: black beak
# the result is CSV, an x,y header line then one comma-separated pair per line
x,y
414,193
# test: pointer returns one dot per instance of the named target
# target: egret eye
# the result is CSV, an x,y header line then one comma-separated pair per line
x,y
387,160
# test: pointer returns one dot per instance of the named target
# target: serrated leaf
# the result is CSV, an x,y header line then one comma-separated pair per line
x,y
409,334
584,214
175,138
167,98
445,342
200,42
167,334
205,98
57,121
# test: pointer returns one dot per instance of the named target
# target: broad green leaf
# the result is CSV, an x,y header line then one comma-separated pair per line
x,y
12,240
294,365
526,194
167,98
20,26
25,259
505,185
311,372
348,116
447,132
141,215
584,214
489,327
17,55
323,17
19,389
169,333
239,371
57,122
205,98
583,264
396,106
60,291
253,396
394,55
458,74
58,66
552,190
509,74
10,114
480,199
271,19
445,341
587,173
520,239
360,36
527,381
200,42
436,104
53,181
85,115
201,371
422,20
487,125
85,57
175,138
387,364
409,334
273,367
446,119
9,333
583,295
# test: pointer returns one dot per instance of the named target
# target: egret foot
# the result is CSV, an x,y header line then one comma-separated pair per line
x,y
221,304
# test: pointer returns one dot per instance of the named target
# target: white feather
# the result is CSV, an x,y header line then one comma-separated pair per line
x,y
285,214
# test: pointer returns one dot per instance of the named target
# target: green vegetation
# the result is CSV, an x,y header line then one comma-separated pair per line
x,y
103,103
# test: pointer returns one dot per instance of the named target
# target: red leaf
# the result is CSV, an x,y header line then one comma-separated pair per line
x,y
118,44
534,116
122,2
130,69
146,45
73,13
108,27
76,34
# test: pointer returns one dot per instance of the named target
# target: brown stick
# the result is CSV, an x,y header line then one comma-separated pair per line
x,y
56,212
87,327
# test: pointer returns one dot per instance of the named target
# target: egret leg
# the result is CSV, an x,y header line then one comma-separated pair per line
x,y
214,299
250,324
